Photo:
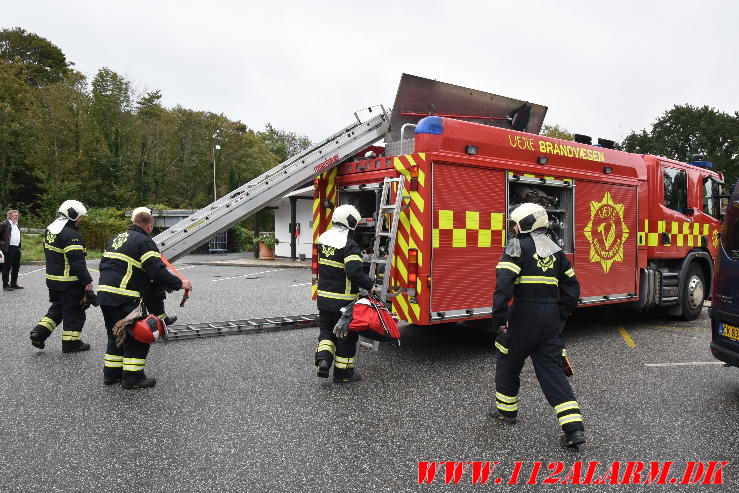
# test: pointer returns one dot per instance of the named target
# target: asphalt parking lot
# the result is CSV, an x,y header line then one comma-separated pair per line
x,y
246,413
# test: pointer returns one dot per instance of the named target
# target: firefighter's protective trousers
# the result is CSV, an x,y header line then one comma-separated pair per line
x,y
65,307
126,362
339,351
544,292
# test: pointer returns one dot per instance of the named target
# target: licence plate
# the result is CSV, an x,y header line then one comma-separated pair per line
x,y
730,331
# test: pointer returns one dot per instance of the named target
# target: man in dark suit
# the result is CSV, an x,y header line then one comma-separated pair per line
x,y
10,245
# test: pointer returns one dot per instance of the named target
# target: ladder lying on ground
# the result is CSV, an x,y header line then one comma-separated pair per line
x,y
284,178
234,327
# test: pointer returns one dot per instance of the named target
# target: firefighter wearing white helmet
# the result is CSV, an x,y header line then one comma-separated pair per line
x,y
132,271
536,274
68,280
340,275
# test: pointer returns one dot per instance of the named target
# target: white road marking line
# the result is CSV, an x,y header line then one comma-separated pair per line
x,y
31,271
246,275
304,284
689,363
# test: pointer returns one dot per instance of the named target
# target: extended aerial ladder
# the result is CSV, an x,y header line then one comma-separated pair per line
x,y
284,178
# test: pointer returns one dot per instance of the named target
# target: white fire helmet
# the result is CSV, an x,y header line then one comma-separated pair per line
x,y
529,217
137,211
72,209
346,214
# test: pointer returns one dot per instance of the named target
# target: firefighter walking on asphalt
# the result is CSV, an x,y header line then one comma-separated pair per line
x,y
340,274
536,274
68,280
131,270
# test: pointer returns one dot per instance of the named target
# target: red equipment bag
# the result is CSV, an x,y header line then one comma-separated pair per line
x,y
372,319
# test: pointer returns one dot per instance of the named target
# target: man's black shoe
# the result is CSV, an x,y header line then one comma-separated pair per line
x,y
75,348
573,438
111,380
142,383
354,377
509,420
15,286
169,319
324,366
7,288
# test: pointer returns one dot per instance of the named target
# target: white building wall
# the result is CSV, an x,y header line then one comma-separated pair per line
x,y
304,216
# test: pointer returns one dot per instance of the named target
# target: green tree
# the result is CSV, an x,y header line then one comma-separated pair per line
x,y
556,132
42,62
685,131
18,121
284,144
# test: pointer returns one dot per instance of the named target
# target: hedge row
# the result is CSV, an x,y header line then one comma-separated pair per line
x,y
97,232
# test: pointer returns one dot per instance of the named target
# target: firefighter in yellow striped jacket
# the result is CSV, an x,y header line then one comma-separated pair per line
x,y
536,274
131,270
340,275
67,278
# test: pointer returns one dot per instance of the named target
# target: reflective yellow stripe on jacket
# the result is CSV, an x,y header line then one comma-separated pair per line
x,y
131,263
537,280
338,296
65,277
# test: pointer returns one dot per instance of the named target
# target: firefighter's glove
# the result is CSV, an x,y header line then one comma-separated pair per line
x,y
89,298
503,342
341,329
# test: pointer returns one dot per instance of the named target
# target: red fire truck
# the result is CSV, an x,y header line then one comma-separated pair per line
x,y
637,228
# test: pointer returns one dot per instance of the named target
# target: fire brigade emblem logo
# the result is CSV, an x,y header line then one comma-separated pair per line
x,y
119,240
714,238
50,237
606,232
545,263
327,251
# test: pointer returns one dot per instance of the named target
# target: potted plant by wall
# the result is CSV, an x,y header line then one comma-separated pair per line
x,y
266,242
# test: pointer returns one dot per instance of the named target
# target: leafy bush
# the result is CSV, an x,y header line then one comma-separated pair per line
x,y
243,238
101,225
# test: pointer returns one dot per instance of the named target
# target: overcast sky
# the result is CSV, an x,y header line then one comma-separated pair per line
x,y
602,68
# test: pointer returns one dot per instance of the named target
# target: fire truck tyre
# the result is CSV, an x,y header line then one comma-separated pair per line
x,y
691,298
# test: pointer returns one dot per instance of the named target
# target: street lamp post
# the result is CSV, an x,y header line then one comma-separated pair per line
x,y
215,147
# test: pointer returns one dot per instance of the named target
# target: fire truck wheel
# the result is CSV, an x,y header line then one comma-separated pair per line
x,y
693,293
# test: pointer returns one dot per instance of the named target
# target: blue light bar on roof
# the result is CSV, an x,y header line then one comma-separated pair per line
x,y
702,164
433,125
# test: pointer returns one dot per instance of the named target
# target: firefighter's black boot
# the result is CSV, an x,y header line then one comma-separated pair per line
x,y
169,319
509,420
573,438
39,335
354,377
112,376
74,346
111,380
323,366
142,382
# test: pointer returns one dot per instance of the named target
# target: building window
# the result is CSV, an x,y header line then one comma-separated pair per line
x,y
676,190
711,202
